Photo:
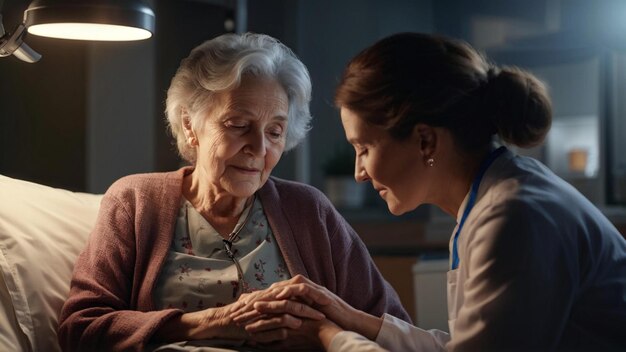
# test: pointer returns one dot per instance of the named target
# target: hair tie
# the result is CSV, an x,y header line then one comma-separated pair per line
x,y
490,103
492,73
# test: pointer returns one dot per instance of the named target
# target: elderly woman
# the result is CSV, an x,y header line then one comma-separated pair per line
x,y
173,254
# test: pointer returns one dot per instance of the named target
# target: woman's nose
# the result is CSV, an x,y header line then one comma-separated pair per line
x,y
256,144
360,175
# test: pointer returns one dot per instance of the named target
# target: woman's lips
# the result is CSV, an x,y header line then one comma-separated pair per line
x,y
247,170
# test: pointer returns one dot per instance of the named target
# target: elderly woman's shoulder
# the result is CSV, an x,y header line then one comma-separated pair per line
x,y
295,191
155,182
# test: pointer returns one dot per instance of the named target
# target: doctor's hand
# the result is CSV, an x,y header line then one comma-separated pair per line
x,y
298,295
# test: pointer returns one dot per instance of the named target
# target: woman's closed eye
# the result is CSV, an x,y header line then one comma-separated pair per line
x,y
275,133
235,124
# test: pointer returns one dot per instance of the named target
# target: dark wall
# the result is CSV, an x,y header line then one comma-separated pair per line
x,y
453,17
180,26
42,110
330,34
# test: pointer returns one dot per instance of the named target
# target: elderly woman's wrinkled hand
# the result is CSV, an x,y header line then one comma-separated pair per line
x,y
287,315
288,325
219,321
298,297
275,294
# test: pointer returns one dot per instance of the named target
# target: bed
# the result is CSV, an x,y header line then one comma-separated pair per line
x,y
42,230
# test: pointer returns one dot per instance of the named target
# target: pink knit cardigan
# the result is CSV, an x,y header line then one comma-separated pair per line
x,y
111,307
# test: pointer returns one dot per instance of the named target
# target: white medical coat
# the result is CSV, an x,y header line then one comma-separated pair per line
x,y
541,268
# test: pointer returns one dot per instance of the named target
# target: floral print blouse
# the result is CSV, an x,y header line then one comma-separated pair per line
x,y
199,274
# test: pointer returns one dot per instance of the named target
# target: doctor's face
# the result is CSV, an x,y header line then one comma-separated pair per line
x,y
393,167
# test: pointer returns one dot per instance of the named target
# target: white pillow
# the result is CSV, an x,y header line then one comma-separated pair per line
x,y
42,230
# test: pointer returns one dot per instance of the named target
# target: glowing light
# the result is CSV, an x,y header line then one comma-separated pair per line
x,y
89,31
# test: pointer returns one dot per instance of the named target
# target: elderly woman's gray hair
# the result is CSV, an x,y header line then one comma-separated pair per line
x,y
218,65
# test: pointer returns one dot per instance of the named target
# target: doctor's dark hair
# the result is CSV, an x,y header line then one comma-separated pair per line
x,y
412,78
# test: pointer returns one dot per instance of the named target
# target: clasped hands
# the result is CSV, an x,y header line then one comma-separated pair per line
x,y
294,312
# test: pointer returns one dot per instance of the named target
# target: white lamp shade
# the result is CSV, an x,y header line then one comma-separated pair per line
x,y
102,20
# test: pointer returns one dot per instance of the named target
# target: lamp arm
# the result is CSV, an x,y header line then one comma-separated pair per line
x,y
13,44
2,32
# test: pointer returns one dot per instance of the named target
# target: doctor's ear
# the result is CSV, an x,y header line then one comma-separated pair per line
x,y
426,136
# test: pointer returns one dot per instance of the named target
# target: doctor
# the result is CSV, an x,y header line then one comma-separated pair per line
x,y
534,265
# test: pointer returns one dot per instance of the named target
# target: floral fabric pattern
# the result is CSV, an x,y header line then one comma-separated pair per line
x,y
198,274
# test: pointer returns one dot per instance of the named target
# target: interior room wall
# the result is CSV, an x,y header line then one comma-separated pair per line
x,y
120,129
329,34
42,110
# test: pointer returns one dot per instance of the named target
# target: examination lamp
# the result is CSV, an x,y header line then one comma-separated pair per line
x,y
100,20
13,43
109,20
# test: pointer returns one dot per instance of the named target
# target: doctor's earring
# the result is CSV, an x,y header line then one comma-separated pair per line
x,y
430,162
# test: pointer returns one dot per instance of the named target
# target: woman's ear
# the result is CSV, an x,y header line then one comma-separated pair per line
x,y
190,135
426,136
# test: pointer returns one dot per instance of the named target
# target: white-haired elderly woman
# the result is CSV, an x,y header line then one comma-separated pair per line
x,y
174,254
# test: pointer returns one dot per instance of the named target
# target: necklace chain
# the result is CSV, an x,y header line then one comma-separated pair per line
x,y
228,244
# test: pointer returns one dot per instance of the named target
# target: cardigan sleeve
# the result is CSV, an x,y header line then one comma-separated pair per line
x,y
98,313
358,280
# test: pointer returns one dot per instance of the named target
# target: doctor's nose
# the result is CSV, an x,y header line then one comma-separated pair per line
x,y
360,175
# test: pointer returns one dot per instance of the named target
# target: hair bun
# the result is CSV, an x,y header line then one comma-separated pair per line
x,y
521,111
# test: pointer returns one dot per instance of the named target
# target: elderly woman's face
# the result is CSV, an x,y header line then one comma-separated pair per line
x,y
243,136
